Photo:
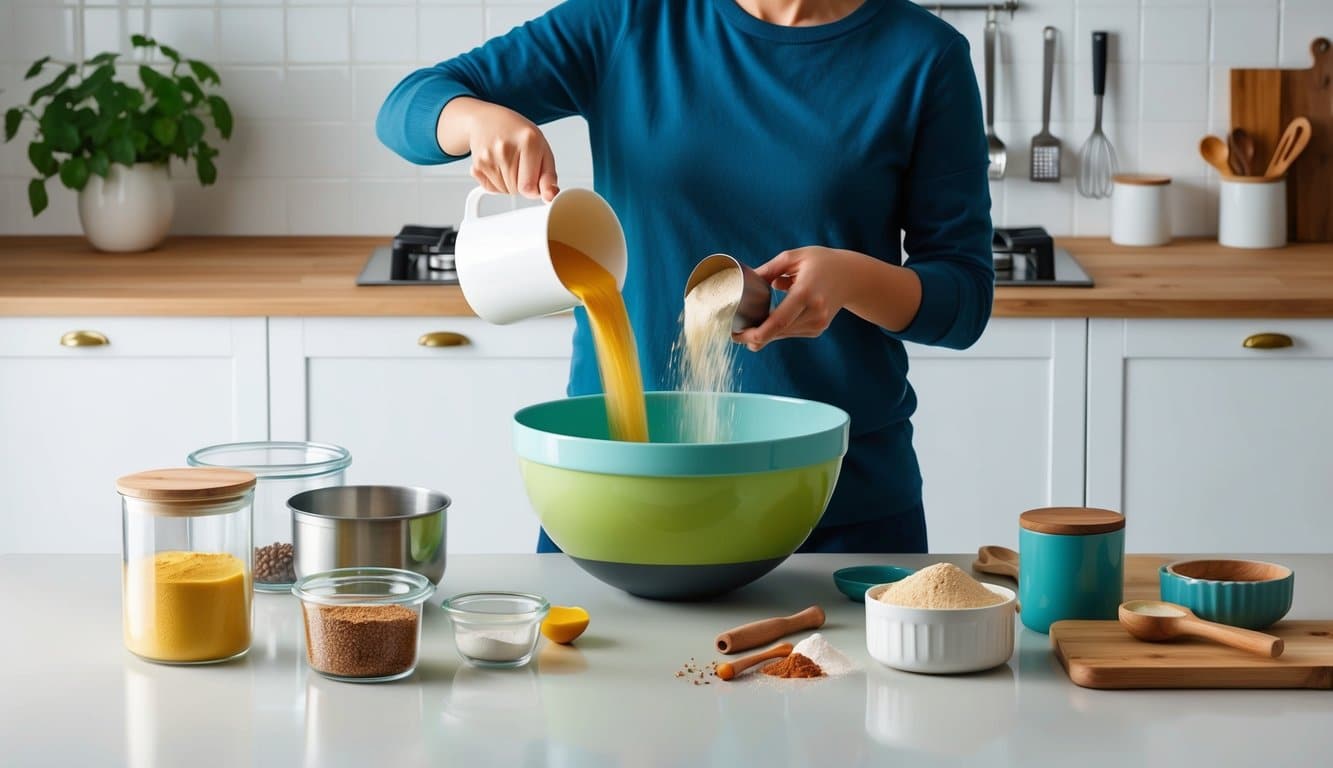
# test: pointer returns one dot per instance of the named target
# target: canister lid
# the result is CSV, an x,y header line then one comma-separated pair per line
x,y
1141,179
186,484
1071,521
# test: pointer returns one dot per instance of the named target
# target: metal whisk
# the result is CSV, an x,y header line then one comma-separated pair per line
x,y
1097,162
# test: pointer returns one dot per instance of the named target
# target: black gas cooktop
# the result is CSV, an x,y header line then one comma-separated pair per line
x,y
425,256
418,256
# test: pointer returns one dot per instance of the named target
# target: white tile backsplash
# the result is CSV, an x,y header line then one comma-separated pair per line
x,y
306,79
318,35
251,35
384,35
192,31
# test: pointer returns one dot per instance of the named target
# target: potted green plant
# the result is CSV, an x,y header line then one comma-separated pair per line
x,y
112,141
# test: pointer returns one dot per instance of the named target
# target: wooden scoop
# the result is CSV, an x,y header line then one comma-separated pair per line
x,y
728,670
1215,151
1155,621
765,631
997,561
1289,147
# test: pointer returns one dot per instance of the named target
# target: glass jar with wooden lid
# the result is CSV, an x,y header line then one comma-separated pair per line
x,y
186,570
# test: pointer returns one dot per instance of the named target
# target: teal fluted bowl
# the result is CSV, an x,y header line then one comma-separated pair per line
x,y
676,520
1243,593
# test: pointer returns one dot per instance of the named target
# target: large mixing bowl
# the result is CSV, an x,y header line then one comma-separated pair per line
x,y
675,520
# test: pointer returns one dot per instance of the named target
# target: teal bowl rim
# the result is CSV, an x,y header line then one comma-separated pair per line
x,y
840,578
741,457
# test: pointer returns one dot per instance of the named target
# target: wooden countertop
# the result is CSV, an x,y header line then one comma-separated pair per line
x,y
313,276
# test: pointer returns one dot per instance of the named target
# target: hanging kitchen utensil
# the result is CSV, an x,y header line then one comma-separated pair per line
x,y
1289,147
994,147
1097,162
1217,154
1045,154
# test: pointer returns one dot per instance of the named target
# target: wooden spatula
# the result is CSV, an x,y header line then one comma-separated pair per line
x,y
1289,147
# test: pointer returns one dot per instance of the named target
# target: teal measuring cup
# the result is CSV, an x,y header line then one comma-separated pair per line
x,y
1073,565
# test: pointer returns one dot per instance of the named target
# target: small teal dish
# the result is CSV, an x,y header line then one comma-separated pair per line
x,y
854,581
1243,593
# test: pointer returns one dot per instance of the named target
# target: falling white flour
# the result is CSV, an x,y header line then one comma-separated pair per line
x,y
706,355
821,652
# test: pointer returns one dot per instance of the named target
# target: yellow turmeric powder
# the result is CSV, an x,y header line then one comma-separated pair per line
x,y
187,607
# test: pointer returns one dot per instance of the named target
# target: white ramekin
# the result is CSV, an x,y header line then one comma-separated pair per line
x,y
940,641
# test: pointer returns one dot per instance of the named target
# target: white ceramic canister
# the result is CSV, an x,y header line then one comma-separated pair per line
x,y
1253,213
1140,211
504,260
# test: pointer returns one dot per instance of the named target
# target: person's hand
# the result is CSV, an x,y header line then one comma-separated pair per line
x,y
819,282
510,154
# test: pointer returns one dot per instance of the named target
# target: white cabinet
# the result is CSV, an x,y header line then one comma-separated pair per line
x,y
74,418
439,416
999,429
1208,445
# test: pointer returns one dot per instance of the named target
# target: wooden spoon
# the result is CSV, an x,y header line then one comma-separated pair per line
x,y
1215,151
997,561
1289,147
729,669
1154,621
1241,145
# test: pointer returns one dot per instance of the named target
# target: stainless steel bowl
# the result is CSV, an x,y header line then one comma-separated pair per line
x,y
384,526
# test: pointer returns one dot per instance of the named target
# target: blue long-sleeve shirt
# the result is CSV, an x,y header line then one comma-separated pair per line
x,y
712,130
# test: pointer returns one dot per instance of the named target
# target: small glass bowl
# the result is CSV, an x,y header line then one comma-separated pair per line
x,y
496,629
363,625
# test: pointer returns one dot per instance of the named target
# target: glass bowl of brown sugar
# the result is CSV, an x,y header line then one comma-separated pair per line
x,y
363,625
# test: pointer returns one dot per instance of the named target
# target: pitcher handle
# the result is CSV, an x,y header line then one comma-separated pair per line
x,y
472,207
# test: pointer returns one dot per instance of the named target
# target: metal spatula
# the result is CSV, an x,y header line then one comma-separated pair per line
x,y
1045,154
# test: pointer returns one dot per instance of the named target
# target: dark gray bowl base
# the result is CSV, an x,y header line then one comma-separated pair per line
x,y
678,582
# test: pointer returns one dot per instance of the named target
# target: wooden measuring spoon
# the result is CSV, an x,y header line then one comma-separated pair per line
x,y
757,633
1289,147
1241,146
729,669
1155,621
997,561
1215,151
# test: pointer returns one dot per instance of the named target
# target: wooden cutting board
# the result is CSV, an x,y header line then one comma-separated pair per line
x,y
1101,654
1263,101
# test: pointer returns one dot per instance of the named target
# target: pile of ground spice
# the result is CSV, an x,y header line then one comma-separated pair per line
x,y
794,665
361,640
943,585
691,672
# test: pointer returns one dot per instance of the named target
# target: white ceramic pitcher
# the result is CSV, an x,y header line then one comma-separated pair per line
x,y
504,262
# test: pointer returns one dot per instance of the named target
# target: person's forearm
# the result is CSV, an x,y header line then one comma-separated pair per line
x,y
885,294
453,128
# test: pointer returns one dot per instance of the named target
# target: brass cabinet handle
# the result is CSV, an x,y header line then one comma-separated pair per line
x,y
84,339
1267,341
443,339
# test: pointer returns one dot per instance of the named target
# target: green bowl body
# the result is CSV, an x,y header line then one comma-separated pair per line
x,y
1247,604
854,581
675,520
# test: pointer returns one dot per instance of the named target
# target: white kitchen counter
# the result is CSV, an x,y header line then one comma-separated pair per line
x,y
70,694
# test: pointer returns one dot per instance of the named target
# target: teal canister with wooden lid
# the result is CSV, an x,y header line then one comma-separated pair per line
x,y
1072,565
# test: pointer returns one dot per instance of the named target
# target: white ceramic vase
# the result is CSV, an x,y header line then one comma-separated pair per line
x,y
129,210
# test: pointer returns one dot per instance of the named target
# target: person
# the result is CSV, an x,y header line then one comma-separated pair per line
x,y
816,140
